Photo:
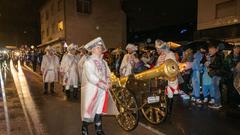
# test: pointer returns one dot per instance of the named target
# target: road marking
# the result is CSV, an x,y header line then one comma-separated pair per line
x,y
20,95
151,129
5,103
27,102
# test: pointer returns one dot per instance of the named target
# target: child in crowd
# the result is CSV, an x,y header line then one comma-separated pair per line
x,y
207,82
196,67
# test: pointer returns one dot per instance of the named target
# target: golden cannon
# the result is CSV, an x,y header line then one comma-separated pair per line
x,y
143,92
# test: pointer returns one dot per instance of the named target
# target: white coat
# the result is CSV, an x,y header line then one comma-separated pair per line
x,y
126,65
80,67
69,69
50,68
172,87
95,97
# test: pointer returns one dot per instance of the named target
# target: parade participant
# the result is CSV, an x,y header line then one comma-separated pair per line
x,y
196,67
83,56
69,71
50,69
165,54
127,62
215,72
95,96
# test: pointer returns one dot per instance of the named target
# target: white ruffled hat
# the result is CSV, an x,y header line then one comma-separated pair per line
x,y
72,47
94,43
132,46
48,49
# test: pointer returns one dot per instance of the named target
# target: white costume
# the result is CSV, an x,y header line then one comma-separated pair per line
x,y
69,69
50,67
127,62
95,96
172,87
80,66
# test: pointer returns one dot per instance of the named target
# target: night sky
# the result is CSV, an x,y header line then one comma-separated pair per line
x,y
19,20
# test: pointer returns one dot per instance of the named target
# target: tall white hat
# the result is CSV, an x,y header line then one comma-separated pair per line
x,y
132,46
94,43
72,47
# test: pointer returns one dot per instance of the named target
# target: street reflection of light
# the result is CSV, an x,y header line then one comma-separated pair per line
x,y
26,99
5,103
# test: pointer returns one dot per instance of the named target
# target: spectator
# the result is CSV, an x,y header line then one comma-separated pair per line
x,y
215,72
139,65
230,64
127,62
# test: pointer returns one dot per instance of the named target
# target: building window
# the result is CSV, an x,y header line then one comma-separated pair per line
x,y
60,26
83,6
226,9
60,5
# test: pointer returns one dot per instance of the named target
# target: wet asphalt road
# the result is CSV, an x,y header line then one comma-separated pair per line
x,y
61,117
187,119
191,119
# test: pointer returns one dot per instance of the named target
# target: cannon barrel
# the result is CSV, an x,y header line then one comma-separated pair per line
x,y
168,70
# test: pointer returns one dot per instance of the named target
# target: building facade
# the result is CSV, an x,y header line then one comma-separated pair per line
x,y
219,19
79,21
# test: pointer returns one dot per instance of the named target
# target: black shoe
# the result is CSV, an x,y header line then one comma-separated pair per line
x,y
100,133
45,89
45,92
67,93
98,124
53,92
63,88
52,88
169,106
75,93
85,128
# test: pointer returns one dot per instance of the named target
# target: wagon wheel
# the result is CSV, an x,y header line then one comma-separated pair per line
x,y
127,107
157,112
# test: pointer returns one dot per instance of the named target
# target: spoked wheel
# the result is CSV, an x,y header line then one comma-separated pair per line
x,y
155,113
127,107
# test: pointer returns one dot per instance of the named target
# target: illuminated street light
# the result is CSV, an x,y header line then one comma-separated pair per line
x,y
5,52
32,47
17,53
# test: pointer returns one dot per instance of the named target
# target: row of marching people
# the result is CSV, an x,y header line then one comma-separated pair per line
x,y
69,68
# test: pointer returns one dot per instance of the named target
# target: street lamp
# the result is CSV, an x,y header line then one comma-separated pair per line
x,y
32,47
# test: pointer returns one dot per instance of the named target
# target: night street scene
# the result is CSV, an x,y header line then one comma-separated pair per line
x,y
120,67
